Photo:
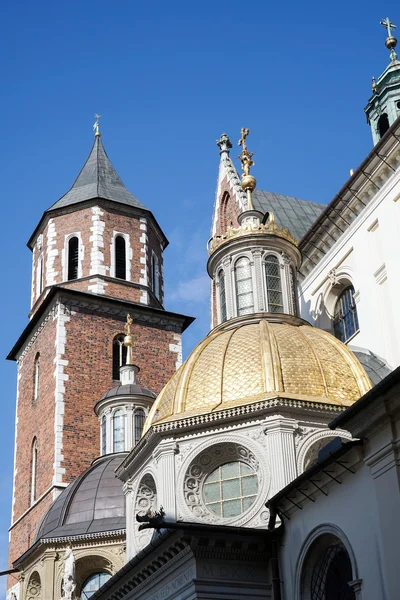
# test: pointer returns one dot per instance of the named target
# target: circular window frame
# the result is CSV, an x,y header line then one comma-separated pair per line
x,y
197,468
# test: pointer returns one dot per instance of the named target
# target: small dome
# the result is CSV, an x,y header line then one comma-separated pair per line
x,y
254,358
132,389
94,502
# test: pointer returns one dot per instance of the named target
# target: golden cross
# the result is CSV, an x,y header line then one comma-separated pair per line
x,y
388,25
244,133
128,324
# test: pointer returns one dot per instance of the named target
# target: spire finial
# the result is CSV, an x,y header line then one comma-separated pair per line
x,y
391,41
248,181
224,144
128,339
96,126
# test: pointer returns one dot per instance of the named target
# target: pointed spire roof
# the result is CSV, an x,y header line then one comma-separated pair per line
x,y
97,179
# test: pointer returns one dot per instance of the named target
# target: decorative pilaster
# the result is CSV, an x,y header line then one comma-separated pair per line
x,y
260,300
281,450
164,455
229,286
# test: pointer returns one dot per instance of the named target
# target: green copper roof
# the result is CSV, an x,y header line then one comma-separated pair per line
x,y
98,179
292,213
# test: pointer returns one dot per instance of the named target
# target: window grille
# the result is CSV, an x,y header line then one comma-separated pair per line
x,y
274,286
119,355
140,418
244,287
231,489
331,574
222,295
34,470
103,436
119,431
93,583
345,321
73,258
120,257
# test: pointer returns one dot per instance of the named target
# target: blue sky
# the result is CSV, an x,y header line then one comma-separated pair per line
x,y
169,78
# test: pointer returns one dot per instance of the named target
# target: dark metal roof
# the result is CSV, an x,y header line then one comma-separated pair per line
x,y
94,502
292,213
375,367
128,390
97,179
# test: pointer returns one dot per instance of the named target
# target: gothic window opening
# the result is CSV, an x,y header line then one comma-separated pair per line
x,y
104,436
34,462
383,124
222,295
119,355
36,377
244,287
93,583
274,285
345,321
119,431
331,575
73,258
120,257
139,418
155,275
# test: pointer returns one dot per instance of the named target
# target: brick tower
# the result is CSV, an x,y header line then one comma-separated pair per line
x,y
97,255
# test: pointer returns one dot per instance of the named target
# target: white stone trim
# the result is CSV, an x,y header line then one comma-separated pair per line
x,y
144,274
51,253
177,348
98,286
62,317
97,266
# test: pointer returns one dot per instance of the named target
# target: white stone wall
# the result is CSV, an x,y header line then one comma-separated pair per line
x,y
366,255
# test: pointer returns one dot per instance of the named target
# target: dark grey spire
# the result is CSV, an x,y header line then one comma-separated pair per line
x,y
97,179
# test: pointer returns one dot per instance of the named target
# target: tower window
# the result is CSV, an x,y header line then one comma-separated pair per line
x,y
140,418
345,322
244,287
155,273
103,436
73,258
383,124
274,286
34,461
36,377
120,257
119,431
119,355
222,295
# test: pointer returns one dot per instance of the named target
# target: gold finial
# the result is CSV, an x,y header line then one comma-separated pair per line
x,y
96,126
374,85
391,41
128,339
248,181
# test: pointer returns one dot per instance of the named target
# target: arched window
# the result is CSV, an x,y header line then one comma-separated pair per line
x,y
273,284
345,321
140,418
119,355
34,461
119,431
244,287
73,258
93,583
36,377
383,124
222,295
103,436
120,257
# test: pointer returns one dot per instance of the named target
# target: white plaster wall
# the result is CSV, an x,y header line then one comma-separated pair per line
x,y
368,255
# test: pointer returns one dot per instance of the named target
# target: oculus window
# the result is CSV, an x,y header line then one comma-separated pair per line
x,y
93,583
230,489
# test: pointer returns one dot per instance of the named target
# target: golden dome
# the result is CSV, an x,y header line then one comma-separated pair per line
x,y
251,358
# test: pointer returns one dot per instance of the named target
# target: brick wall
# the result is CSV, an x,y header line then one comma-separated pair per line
x,y
228,210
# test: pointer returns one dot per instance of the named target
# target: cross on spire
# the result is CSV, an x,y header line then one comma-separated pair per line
x,y
388,25
244,132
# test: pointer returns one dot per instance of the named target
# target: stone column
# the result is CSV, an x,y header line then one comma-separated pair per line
x,y
129,439
48,575
229,287
281,451
130,519
164,455
259,300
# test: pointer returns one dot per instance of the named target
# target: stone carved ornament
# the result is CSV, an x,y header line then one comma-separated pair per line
x,y
69,579
146,500
34,588
206,462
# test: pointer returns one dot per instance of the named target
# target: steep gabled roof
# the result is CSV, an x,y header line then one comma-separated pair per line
x,y
97,179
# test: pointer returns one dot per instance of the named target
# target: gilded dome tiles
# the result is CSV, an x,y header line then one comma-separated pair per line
x,y
254,359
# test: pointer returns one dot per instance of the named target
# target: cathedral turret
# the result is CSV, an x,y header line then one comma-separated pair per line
x,y
253,265
383,107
